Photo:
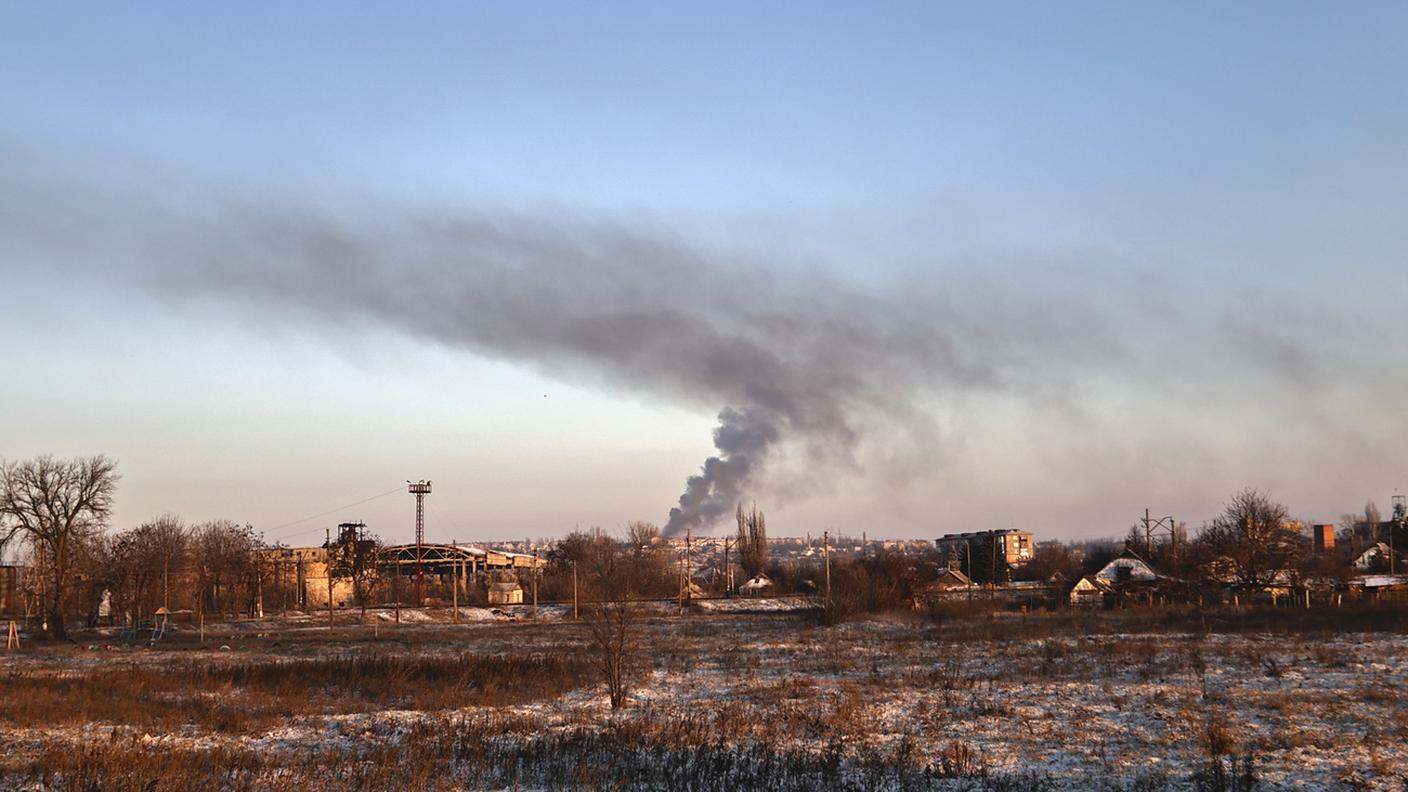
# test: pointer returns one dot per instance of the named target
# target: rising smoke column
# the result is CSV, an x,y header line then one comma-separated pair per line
x,y
743,438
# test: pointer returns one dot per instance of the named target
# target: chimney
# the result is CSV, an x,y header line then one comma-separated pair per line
x,y
1324,535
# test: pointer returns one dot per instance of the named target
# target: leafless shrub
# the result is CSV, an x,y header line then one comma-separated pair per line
x,y
961,760
1272,667
950,675
1195,662
1233,774
1217,736
1150,780
1326,655
615,643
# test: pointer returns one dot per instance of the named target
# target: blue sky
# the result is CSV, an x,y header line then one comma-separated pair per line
x,y
1220,186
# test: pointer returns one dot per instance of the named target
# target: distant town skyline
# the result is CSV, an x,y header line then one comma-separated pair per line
x,y
911,269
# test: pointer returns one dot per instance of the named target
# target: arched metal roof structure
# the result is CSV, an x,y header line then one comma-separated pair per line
x,y
441,559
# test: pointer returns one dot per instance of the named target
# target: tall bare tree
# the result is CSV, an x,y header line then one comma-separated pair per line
x,y
752,541
56,504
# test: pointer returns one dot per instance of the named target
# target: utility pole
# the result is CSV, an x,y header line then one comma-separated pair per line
x,y
728,570
420,489
327,572
826,561
992,576
1400,516
1151,526
396,589
968,564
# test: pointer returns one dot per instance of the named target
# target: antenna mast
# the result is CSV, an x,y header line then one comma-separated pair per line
x,y
420,489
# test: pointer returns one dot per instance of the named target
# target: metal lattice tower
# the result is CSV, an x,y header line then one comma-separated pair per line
x,y
419,489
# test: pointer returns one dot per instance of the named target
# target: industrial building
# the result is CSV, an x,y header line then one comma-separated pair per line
x,y
297,577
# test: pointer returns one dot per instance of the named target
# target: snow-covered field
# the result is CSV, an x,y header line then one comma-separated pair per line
x,y
884,703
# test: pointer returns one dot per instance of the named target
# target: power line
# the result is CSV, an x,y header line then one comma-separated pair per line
x,y
391,491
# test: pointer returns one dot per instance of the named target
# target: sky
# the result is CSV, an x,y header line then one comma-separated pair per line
x,y
900,268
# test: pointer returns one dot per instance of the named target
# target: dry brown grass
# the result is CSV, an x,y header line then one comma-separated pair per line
x,y
856,706
255,694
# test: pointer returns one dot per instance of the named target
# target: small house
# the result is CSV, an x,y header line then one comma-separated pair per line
x,y
504,588
1128,568
1090,590
756,587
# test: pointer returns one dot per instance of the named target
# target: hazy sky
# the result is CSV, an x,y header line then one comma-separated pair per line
x,y
950,267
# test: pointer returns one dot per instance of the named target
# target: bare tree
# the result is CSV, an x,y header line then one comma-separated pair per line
x,y
149,564
353,556
1254,536
642,536
614,639
578,552
1362,529
55,504
588,550
91,577
1373,520
649,566
614,645
752,541
9,531
1050,560
225,562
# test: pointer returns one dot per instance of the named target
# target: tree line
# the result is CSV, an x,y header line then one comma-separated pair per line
x,y
56,511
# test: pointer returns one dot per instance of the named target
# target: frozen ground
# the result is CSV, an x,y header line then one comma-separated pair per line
x,y
1114,710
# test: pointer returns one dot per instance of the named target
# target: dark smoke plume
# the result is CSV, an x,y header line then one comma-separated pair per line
x,y
797,359
824,371
743,439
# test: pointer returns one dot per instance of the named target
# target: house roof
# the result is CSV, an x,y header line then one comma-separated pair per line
x,y
1377,549
950,578
1092,583
1138,568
